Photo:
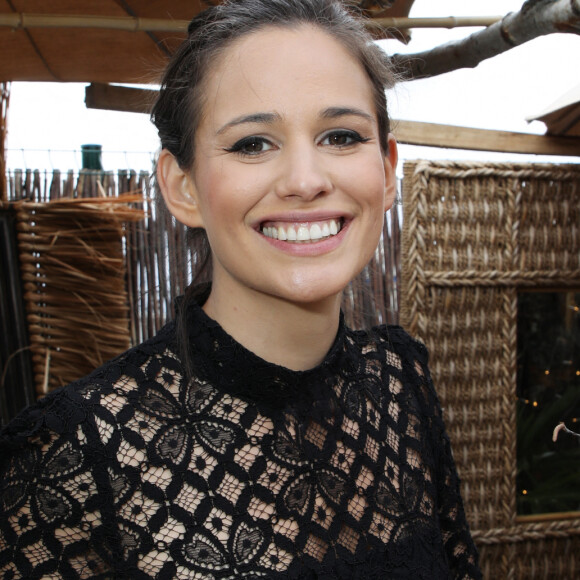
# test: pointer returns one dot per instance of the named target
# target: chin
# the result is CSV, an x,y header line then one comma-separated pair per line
x,y
304,291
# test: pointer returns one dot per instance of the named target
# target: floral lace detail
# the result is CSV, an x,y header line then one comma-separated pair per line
x,y
244,470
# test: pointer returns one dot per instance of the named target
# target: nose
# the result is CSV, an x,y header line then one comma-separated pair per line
x,y
303,173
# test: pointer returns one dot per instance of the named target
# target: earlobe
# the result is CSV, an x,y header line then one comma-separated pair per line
x,y
178,191
391,172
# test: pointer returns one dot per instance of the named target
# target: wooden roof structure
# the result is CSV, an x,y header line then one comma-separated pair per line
x,y
110,42
562,117
107,41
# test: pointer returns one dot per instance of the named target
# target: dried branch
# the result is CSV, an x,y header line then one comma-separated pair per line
x,y
536,18
562,427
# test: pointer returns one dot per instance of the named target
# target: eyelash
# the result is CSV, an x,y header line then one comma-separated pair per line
x,y
238,147
253,140
352,135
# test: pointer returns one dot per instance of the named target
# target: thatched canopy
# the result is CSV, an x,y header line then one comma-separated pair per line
x,y
33,51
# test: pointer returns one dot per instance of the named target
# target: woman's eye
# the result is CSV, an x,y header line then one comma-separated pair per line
x,y
342,138
251,146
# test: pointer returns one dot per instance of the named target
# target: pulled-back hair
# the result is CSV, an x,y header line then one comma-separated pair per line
x,y
179,107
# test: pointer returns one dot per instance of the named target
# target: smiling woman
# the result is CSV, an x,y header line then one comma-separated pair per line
x,y
279,154
257,436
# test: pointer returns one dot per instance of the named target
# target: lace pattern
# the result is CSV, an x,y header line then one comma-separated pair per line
x,y
246,470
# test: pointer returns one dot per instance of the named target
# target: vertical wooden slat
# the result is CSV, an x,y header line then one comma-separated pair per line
x,y
4,103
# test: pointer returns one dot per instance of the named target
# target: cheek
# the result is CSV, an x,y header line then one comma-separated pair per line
x,y
230,194
370,181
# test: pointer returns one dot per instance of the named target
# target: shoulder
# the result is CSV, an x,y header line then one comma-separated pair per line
x,y
65,411
404,365
391,338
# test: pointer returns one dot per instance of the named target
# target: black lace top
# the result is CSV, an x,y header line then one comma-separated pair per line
x,y
247,470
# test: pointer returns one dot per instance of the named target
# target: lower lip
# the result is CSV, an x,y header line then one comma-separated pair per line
x,y
317,248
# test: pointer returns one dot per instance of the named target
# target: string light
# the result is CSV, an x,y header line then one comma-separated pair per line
x,y
538,406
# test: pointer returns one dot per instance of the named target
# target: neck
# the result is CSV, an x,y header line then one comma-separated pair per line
x,y
295,336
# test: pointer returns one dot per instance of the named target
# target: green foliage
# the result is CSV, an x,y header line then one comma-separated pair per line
x,y
548,392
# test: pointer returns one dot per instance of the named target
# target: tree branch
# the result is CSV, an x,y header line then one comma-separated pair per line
x,y
536,18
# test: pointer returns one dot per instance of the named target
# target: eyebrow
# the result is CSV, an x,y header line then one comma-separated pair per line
x,y
269,118
336,112
264,118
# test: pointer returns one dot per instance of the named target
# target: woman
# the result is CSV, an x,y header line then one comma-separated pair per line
x,y
256,437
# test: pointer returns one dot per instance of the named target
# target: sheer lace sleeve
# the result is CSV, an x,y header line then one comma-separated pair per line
x,y
461,552
52,513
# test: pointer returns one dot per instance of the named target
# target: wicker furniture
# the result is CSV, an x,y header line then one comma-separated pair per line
x,y
472,235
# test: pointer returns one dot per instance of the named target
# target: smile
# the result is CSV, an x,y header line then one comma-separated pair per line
x,y
302,232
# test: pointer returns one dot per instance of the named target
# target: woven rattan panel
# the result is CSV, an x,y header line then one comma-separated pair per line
x,y
73,274
472,235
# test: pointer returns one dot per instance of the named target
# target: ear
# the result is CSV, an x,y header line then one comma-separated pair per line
x,y
178,191
391,172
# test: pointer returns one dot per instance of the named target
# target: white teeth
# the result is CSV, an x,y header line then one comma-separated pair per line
x,y
315,232
303,232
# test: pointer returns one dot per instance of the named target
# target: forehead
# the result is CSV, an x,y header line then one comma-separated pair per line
x,y
283,70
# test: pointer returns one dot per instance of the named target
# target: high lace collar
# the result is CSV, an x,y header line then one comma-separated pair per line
x,y
223,362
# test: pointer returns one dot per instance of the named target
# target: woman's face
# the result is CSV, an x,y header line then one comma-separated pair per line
x,y
289,178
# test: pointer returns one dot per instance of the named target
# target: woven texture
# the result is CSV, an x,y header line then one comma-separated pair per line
x,y
473,234
73,275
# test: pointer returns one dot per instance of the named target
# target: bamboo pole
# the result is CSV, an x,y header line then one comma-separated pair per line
x,y
127,23
4,102
135,24
442,22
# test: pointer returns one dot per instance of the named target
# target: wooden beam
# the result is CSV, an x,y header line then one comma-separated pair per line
x,y
449,136
134,100
116,98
